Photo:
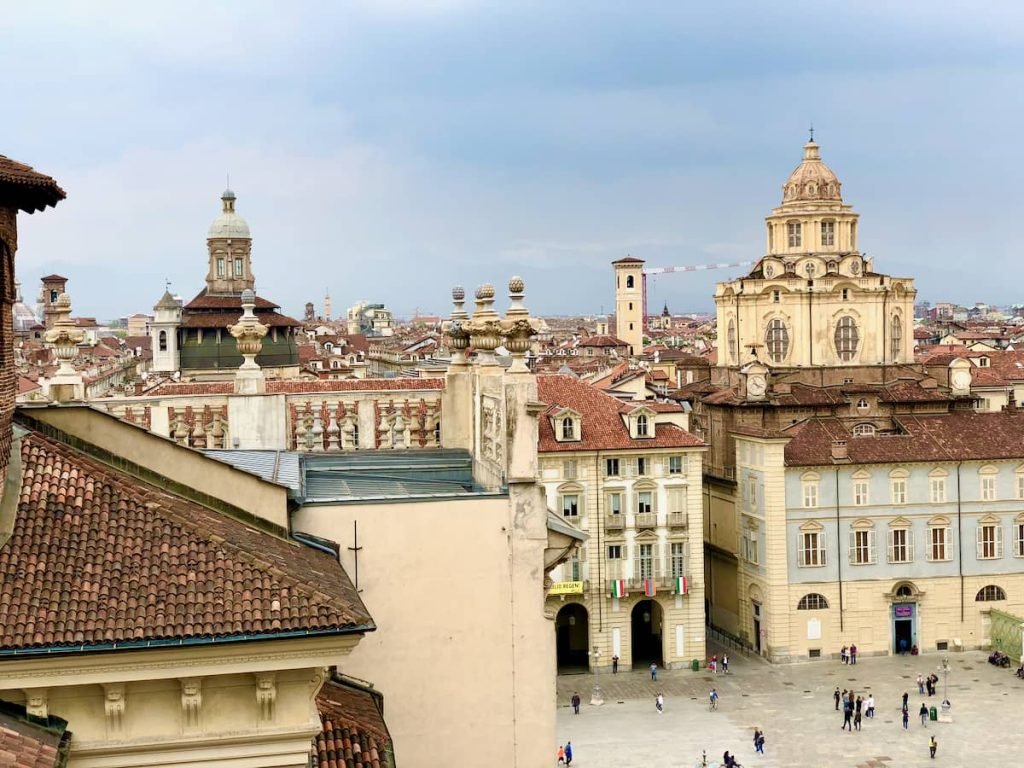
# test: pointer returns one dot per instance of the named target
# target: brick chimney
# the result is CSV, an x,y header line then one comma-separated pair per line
x,y
839,452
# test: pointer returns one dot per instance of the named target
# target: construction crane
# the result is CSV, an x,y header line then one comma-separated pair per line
x,y
696,268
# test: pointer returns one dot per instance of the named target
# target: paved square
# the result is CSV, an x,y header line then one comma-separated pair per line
x,y
794,706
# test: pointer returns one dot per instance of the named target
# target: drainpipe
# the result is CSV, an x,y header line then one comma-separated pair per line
x,y
839,558
600,550
959,541
810,322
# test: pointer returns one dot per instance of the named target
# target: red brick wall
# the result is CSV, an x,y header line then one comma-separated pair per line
x,y
8,391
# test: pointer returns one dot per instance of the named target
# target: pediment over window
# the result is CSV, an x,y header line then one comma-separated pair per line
x,y
812,525
861,474
567,426
939,522
989,520
863,523
900,522
645,537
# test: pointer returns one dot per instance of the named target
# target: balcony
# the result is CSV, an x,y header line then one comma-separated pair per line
x,y
614,522
646,520
677,520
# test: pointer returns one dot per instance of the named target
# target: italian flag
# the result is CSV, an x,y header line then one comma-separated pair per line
x,y
682,587
618,587
649,588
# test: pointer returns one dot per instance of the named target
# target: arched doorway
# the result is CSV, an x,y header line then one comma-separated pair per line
x,y
572,638
646,631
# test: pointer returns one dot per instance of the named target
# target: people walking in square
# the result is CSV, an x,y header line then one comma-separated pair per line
x,y
906,718
575,701
714,663
920,684
759,741
561,755
654,670
568,753
906,699
870,706
847,715
659,702
725,663
924,714
615,665
713,699
842,655
932,746
836,697
858,706
853,653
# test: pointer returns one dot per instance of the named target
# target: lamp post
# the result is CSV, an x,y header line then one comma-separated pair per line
x,y
945,685
595,697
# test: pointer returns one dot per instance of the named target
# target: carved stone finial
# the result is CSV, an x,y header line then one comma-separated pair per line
x,y
454,328
64,336
249,333
485,325
518,328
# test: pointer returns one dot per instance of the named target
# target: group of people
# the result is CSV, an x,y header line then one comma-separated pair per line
x,y
854,708
729,760
927,684
848,655
713,664
565,754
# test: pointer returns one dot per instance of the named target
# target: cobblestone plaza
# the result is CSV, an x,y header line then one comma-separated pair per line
x,y
794,705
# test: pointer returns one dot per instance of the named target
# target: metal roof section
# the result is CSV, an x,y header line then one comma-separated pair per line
x,y
279,467
389,475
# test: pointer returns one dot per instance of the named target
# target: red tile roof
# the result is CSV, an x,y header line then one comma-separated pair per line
x,y
602,426
204,300
99,557
956,436
25,744
628,260
353,733
300,386
224,319
602,341
25,188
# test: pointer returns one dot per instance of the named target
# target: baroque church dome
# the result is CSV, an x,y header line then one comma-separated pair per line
x,y
24,316
812,180
229,224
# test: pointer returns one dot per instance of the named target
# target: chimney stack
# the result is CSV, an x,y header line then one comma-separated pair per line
x,y
839,451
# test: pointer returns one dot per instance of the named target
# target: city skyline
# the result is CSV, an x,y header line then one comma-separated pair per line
x,y
481,139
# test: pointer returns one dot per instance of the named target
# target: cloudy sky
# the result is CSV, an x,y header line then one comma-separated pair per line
x,y
389,149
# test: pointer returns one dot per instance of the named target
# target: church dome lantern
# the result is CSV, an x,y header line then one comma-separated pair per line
x,y
229,225
812,180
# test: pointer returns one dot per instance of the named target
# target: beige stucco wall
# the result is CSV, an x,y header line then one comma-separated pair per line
x,y
463,651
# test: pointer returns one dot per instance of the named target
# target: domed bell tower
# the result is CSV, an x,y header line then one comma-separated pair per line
x,y
230,247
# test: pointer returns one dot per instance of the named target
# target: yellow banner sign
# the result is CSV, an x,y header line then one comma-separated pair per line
x,y
566,588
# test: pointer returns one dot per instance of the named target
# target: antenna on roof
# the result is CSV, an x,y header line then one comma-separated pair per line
x,y
167,285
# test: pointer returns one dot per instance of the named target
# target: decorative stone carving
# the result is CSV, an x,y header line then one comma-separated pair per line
x,y
518,328
191,701
36,701
249,333
266,695
454,328
114,701
64,336
485,325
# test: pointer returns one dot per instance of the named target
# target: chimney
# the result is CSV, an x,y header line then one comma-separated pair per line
x,y
839,452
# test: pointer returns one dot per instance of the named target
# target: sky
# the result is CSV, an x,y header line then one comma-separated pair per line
x,y
387,150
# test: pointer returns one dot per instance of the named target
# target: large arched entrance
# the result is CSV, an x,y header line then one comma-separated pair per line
x,y
572,638
646,631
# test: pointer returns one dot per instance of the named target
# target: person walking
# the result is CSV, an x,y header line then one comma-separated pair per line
x,y
575,701
561,755
923,712
714,663
870,706
932,746
568,753
858,706
847,716
615,665
853,653
906,718
842,654
659,702
759,741
654,670
725,664
906,699
920,684
836,697
713,699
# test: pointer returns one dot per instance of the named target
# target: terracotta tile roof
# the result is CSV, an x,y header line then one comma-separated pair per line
x,y
301,386
628,260
602,341
602,426
353,733
132,342
956,436
54,278
26,744
99,557
204,300
25,384
695,390
224,319
26,188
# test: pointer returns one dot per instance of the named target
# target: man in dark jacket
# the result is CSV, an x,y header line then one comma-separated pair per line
x,y
575,703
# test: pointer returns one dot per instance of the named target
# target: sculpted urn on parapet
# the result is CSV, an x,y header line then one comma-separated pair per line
x,y
485,325
454,328
518,328
249,333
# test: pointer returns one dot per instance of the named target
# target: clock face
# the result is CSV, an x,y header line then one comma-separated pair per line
x,y
756,385
961,379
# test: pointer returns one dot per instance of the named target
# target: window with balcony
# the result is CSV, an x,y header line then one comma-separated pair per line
x,y
611,467
614,505
644,503
571,505
645,561
989,539
901,544
614,551
677,558
810,548
862,545
675,465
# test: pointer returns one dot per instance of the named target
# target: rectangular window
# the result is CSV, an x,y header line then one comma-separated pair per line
x,y
1020,486
811,549
614,551
990,541
810,495
1018,544
938,487
569,469
828,233
575,568
220,267
862,547
752,548
611,467
675,465
938,545
615,503
899,491
677,500
776,296
988,487
860,493
900,545
678,553
752,492
793,229
238,267
645,561
643,502
643,466
571,505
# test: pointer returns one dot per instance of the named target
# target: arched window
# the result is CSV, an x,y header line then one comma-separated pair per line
x,y
989,593
846,338
163,341
641,426
812,602
864,430
568,428
895,338
862,404
733,352
776,338
629,281
905,590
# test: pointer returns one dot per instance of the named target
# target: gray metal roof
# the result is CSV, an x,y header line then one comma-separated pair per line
x,y
281,467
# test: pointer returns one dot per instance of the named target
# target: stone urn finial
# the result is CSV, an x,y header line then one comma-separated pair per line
x,y
485,325
64,336
518,328
454,328
248,333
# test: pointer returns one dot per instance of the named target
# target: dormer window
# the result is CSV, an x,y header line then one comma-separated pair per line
x,y
568,428
983,362
641,426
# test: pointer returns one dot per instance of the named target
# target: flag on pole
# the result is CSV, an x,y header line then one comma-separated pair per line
x,y
649,588
682,587
618,587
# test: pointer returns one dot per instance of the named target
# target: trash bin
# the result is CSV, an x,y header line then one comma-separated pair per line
x,y
695,665
933,714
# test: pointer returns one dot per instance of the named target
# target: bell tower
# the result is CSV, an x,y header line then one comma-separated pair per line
x,y
630,302
230,247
